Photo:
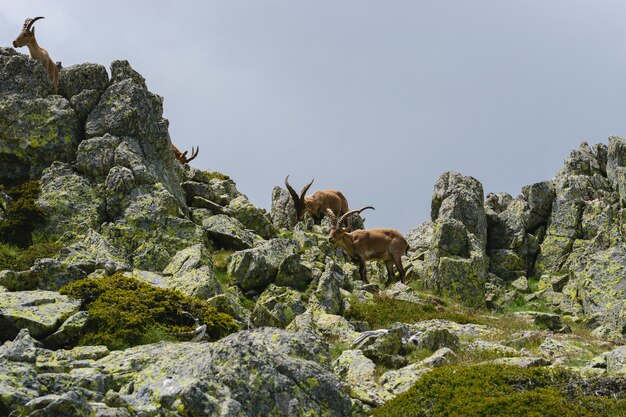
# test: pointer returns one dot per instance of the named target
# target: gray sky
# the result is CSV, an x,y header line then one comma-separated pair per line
x,y
375,98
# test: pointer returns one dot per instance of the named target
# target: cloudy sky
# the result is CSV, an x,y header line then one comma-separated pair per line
x,y
375,98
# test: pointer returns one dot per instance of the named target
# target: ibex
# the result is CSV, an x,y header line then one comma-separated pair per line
x,y
27,38
386,245
318,203
182,156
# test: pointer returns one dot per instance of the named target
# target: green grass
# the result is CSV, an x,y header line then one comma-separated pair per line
x,y
21,216
214,175
499,391
383,311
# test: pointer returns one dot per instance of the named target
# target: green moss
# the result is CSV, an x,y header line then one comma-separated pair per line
x,y
382,311
18,259
214,175
125,312
495,390
21,216
221,258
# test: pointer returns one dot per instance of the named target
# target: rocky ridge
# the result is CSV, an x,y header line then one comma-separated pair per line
x,y
117,201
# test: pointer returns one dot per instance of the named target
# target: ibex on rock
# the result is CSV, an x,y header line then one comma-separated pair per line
x,y
182,156
386,245
27,38
318,203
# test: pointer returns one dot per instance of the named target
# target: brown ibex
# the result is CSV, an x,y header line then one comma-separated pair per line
x,y
182,156
27,38
386,245
317,204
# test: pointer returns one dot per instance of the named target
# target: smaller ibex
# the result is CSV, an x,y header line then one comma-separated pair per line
x,y
318,203
386,245
182,156
27,38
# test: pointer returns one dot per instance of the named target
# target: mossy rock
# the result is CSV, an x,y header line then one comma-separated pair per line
x,y
126,312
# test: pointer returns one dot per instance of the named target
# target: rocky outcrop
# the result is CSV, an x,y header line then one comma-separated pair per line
x,y
285,374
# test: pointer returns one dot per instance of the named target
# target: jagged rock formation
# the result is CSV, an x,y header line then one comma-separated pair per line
x,y
118,201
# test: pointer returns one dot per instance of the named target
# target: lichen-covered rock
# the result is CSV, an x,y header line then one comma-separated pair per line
x,y
22,76
41,312
96,156
283,210
70,202
521,284
434,339
295,272
460,198
450,237
328,291
69,332
419,237
385,349
254,269
93,251
125,109
219,191
399,381
228,232
327,326
191,272
251,217
34,133
277,307
616,361
358,372
152,229
75,79
286,374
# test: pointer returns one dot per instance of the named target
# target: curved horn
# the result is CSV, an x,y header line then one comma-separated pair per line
x,y
297,202
305,189
194,153
333,218
351,212
28,23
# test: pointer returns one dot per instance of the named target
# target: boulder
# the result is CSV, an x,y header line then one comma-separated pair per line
x,y
70,202
75,79
358,372
326,326
41,312
68,333
228,232
22,76
295,272
616,361
277,307
96,156
251,217
435,339
34,133
283,211
254,269
328,292
191,272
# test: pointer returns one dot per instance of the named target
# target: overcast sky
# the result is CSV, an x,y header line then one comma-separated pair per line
x,y
375,98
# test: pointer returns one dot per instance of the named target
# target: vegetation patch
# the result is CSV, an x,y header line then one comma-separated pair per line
x,y
496,390
383,311
214,175
19,259
20,217
125,312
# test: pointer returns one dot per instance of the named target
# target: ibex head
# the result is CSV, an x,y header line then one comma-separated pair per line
x,y
299,201
27,35
336,232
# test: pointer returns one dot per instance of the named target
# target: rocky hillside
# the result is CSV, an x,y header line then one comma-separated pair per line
x,y
133,285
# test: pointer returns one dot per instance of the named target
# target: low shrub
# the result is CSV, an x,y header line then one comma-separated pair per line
x,y
384,311
125,312
21,216
499,391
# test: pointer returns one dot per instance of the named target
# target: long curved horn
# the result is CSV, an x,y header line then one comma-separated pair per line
x,y
297,202
305,189
28,23
351,212
194,153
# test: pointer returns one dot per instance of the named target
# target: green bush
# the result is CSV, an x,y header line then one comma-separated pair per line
x,y
125,312
384,311
22,216
18,259
497,390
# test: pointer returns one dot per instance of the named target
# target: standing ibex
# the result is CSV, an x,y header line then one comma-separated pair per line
x,y
182,156
317,204
386,245
27,38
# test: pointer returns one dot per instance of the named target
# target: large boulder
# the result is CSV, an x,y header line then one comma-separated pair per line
x,y
34,133
41,312
22,76
255,269
191,272
228,232
283,210
277,307
251,217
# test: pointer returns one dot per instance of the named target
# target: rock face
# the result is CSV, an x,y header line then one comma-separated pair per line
x,y
262,372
